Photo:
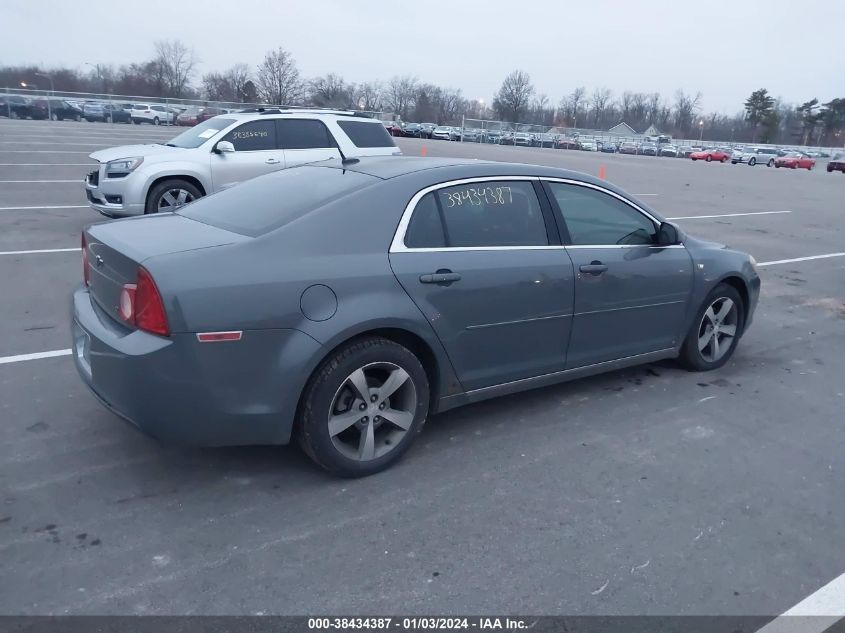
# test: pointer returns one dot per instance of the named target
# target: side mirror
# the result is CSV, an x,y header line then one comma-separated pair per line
x,y
669,234
224,147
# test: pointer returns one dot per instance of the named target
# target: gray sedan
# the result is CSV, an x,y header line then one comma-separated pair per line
x,y
342,303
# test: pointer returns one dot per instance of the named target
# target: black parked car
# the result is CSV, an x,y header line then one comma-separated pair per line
x,y
58,110
14,106
107,112
412,129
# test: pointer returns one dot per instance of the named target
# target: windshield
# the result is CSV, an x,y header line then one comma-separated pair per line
x,y
199,134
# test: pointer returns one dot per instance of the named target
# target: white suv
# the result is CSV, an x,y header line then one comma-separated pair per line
x,y
152,113
223,151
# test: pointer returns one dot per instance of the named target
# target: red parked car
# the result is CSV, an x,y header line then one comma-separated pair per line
x,y
393,128
711,155
794,160
194,115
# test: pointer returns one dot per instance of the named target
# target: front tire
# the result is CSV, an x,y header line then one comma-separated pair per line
x,y
170,195
752,162
363,407
715,331
771,162
708,159
156,121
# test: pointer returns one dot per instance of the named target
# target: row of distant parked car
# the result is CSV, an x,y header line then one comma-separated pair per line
x,y
20,107
793,158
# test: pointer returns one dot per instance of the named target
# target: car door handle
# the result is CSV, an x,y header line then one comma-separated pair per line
x,y
272,161
446,277
593,268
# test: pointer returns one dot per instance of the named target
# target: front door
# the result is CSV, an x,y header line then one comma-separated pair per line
x,y
478,261
256,153
631,296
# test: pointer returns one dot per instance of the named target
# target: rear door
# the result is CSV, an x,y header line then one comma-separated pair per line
x,y
481,259
305,141
256,153
631,296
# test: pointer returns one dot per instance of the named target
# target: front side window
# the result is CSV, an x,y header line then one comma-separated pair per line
x,y
254,136
499,213
595,218
303,134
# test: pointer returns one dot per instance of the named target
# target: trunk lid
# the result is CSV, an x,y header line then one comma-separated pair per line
x,y
116,249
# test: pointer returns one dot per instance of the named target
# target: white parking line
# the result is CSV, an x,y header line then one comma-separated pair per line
x,y
22,357
48,164
815,613
18,182
646,194
727,215
43,151
53,206
43,250
800,259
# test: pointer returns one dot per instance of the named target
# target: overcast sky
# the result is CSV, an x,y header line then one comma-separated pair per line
x,y
725,49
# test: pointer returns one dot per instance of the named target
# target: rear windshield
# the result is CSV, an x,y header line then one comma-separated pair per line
x,y
268,202
199,134
366,134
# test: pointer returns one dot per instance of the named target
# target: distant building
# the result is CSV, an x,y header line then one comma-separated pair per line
x,y
652,131
623,129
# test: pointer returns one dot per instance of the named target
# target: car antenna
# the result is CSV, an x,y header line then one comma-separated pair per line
x,y
343,159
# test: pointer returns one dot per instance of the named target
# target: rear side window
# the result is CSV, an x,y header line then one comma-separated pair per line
x,y
266,203
503,213
254,136
366,134
303,134
425,229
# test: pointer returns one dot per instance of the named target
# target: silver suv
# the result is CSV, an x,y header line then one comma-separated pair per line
x,y
223,151
755,155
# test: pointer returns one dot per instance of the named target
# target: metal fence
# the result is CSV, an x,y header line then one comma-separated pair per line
x,y
81,98
527,134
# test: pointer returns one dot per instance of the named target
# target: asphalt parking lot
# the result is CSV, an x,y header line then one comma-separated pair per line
x,y
644,491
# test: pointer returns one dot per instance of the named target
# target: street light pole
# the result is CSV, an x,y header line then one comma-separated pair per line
x,y
700,130
52,90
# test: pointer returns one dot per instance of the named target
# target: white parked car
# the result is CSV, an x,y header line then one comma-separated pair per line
x,y
445,133
152,113
223,151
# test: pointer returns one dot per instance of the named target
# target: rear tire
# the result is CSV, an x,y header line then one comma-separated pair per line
x,y
752,162
328,427
771,162
699,353
724,159
708,159
156,121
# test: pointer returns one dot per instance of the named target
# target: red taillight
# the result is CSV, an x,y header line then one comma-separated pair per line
x,y
86,271
141,305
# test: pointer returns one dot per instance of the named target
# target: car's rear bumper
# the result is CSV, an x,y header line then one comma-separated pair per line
x,y
184,392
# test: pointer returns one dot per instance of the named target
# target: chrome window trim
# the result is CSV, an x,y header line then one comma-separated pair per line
x,y
398,243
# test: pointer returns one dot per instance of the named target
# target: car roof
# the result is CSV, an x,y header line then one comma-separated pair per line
x,y
303,113
387,167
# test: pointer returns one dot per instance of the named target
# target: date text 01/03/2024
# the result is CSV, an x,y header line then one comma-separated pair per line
x,y
417,623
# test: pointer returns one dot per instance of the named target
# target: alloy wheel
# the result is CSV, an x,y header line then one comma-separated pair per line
x,y
173,199
717,330
372,411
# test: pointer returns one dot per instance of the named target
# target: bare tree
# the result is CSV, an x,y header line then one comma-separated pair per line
x,y
176,64
514,95
639,109
451,104
626,101
599,101
653,107
400,93
576,98
230,85
686,107
331,91
278,78
368,96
